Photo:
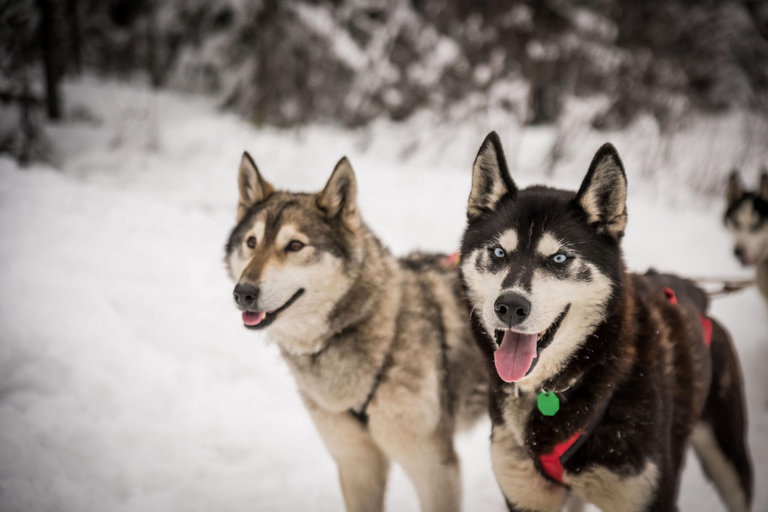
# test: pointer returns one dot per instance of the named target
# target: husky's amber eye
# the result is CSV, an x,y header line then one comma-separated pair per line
x,y
559,258
251,242
498,252
294,246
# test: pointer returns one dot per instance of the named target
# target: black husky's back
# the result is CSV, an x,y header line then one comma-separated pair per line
x,y
682,288
720,437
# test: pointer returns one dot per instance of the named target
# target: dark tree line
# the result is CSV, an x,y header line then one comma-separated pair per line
x,y
289,63
39,43
269,62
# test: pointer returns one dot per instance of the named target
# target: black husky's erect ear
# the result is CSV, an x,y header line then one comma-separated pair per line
x,y
338,198
490,178
253,188
734,190
603,193
763,190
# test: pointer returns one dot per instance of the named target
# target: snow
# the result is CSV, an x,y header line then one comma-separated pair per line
x,y
127,382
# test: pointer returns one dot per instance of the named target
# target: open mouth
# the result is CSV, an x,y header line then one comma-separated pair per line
x,y
518,352
261,319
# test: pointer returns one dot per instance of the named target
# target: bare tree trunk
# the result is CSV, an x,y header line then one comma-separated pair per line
x,y
759,12
75,42
27,126
48,42
544,97
154,68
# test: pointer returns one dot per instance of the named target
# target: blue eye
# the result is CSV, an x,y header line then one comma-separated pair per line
x,y
498,252
559,258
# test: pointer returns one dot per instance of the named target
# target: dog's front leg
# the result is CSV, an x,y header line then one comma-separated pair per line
x,y
362,466
433,467
574,503
522,485
626,489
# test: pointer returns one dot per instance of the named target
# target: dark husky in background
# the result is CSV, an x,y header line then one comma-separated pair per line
x,y
624,355
747,219
381,348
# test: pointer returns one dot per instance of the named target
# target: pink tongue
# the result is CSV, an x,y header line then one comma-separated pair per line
x,y
515,355
253,318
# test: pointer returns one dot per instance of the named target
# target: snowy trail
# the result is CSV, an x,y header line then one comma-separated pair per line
x,y
127,382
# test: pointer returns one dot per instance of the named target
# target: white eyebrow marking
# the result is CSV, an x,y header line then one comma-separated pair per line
x,y
508,240
258,230
287,233
548,245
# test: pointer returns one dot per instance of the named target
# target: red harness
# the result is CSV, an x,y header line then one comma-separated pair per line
x,y
706,323
551,464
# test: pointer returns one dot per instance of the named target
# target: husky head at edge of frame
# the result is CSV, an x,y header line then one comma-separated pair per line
x,y
746,218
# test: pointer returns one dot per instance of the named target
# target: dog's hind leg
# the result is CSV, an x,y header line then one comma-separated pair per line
x,y
720,438
362,466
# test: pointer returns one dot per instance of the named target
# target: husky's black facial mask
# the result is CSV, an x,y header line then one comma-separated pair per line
x,y
541,264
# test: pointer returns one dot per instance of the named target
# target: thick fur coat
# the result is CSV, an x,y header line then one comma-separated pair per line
x,y
381,348
557,312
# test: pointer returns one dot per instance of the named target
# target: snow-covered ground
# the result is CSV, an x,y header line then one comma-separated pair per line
x,y
127,382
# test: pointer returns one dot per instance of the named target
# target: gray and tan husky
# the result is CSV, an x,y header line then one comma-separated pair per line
x,y
380,347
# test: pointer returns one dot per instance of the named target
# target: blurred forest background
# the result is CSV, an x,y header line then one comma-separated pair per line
x,y
348,62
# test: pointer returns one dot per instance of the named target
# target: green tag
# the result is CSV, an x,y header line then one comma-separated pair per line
x,y
548,403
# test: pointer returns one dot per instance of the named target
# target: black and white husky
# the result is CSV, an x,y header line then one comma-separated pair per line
x,y
747,219
600,377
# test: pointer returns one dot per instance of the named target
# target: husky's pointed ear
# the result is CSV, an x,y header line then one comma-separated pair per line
x,y
490,178
339,197
763,190
253,188
603,193
734,190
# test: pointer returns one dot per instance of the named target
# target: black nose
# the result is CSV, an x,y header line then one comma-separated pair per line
x,y
739,252
512,308
246,295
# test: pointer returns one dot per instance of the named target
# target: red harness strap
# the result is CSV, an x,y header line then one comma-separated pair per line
x,y
706,323
551,464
